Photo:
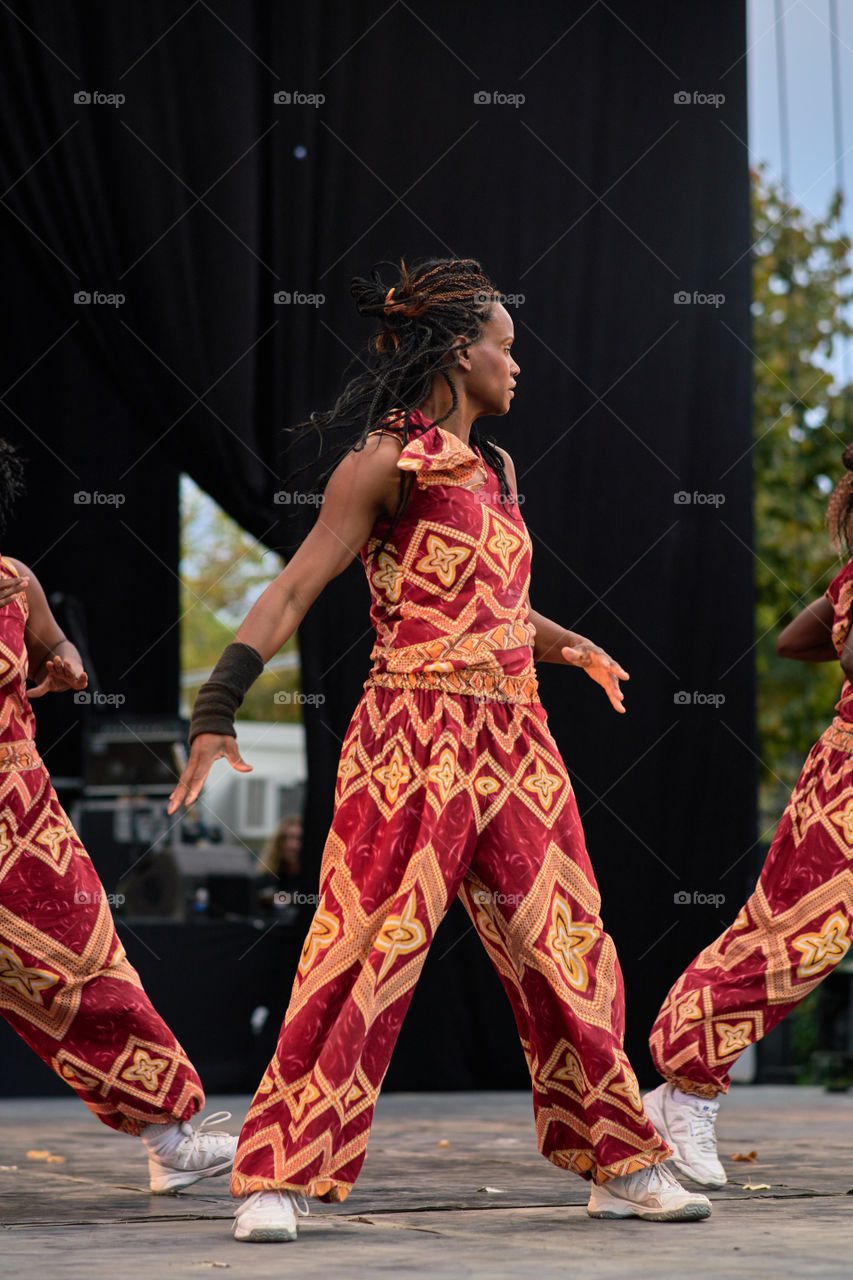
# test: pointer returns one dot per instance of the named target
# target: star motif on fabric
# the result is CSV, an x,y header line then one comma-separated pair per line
x,y
389,576
571,1072
323,931
145,1069
28,983
823,948
443,774
486,785
348,767
503,544
51,838
570,942
843,818
307,1095
734,1037
442,560
394,775
400,935
688,1010
543,784
629,1088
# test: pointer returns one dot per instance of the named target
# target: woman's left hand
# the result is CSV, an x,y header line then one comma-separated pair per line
x,y
601,668
59,674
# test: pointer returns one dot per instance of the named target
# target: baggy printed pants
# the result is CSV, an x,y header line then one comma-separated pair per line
x,y
66,985
790,934
439,794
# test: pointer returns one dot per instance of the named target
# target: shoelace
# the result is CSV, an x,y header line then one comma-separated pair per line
x,y
657,1177
702,1129
216,1118
293,1196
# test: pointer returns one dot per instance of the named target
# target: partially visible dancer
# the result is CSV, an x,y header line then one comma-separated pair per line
x,y
795,928
450,783
66,985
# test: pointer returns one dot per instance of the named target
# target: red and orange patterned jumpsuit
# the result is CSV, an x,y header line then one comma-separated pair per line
x,y
449,783
66,985
794,929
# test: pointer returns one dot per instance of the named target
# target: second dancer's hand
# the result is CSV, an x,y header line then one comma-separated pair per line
x,y
206,748
601,668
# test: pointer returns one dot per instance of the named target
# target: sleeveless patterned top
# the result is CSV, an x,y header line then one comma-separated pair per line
x,y
449,591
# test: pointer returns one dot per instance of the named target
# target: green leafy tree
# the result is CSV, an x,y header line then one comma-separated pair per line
x,y
223,571
802,420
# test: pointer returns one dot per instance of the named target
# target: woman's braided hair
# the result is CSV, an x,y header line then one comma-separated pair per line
x,y
421,313
11,481
839,509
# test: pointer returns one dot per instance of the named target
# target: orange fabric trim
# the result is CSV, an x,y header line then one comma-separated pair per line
x,y
16,757
482,684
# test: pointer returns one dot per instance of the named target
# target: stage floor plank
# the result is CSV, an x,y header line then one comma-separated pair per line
x,y
422,1208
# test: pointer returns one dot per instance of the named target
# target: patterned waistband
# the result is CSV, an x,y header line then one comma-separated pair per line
x,y
839,735
479,684
17,756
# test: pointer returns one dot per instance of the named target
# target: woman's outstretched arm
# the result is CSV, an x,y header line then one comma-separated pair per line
x,y
360,489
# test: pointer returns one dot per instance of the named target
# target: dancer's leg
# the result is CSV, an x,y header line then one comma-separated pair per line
x,y
395,855
66,985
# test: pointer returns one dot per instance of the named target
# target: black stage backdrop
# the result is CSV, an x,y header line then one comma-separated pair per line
x,y
176,164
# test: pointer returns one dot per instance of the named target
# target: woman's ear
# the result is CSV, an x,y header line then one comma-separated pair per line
x,y
463,354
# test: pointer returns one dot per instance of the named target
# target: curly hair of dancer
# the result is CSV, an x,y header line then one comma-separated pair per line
x,y
422,311
11,480
839,509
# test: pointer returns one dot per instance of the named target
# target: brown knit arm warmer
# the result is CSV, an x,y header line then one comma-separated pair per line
x,y
219,697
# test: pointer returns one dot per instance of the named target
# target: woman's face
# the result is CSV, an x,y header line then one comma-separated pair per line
x,y
490,378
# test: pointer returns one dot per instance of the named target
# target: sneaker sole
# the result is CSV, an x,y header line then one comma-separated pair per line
x,y
266,1235
177,1180
687,1213
655,1115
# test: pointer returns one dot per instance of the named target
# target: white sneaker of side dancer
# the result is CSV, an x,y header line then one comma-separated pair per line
x,y
268,1216
653,1194
686,1122
199,1154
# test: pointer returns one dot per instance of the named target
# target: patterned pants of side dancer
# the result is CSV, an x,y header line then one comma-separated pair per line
x,y
439,794
66,985
786,939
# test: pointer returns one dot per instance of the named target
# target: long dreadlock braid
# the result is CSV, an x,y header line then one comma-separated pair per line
x,y
421,315
839,509
11,480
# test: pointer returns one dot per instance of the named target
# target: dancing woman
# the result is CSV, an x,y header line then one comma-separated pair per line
x,y
66,985
449,780
796,927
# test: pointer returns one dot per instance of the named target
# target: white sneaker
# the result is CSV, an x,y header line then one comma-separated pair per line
x,y
268,1215
199,1155
686,1122
652,1193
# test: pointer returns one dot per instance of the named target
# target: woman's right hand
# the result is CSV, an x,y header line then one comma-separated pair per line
x,y
206,748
